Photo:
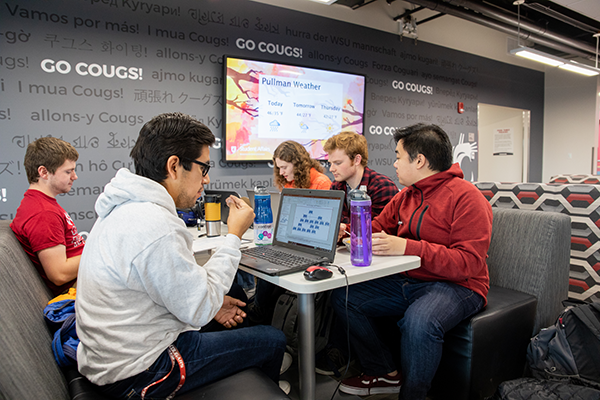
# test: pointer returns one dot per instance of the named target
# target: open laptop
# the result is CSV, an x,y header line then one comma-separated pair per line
x,y
275,199
306,229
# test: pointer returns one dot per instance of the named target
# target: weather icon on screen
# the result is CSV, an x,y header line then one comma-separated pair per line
x,y
274,125
303,126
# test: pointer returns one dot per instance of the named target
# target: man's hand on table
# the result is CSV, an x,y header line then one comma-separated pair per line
x,y
388,245
342,231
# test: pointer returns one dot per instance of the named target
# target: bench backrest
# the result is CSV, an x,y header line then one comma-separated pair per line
x,y
529,252
27,369
580,200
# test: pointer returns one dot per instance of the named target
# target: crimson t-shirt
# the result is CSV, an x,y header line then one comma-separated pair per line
x,y
42,223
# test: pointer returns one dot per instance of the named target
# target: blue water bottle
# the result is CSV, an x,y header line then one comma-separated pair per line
x,y
263,219
361,252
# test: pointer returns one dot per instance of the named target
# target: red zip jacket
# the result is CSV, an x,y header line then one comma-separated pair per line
x,y
448,223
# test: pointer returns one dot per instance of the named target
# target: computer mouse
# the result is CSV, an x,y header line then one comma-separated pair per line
x,y
316,273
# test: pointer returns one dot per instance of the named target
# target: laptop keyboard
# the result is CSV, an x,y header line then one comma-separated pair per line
x,y
278,257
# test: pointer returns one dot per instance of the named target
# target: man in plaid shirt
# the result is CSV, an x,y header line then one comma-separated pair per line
x,y
348,156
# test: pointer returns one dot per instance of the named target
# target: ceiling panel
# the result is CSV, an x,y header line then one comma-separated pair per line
x,y
589,8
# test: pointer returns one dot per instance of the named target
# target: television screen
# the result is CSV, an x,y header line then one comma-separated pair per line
x,y
267,103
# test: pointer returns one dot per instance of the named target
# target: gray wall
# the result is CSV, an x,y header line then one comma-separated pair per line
x,y
172,52
571,129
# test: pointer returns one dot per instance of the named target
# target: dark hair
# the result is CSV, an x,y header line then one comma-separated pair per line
x,y
429,140
166,135
352,143
295,153
49,152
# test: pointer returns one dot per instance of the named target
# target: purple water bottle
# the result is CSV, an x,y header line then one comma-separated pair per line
x,y
361,252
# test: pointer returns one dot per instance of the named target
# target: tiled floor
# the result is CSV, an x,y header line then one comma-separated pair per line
x,y
326,385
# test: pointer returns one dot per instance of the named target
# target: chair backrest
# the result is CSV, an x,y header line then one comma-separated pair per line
x,y
530,252
28,369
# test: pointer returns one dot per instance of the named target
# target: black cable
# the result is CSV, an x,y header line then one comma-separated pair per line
x,y
343,272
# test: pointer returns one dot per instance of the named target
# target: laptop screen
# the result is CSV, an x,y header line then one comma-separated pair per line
x,y
309,218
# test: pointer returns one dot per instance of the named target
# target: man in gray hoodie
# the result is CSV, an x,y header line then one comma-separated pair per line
x,y
141,296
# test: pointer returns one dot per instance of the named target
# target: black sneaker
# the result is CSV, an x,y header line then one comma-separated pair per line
x,y
330,361
258,315
365,385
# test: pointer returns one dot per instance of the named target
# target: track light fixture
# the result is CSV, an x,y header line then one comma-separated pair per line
x,y
548,59
554,61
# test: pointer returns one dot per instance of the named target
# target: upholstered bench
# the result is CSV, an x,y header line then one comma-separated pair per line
x,y
529,267
28,369
577,196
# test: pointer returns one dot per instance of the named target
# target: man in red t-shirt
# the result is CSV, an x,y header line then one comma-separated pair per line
x,y
44,229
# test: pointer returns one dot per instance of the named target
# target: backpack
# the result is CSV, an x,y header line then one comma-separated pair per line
x,y
536,389
60,318
570,349
285,318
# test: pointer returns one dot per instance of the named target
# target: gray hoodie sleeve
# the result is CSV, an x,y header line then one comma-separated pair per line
x,y
168,272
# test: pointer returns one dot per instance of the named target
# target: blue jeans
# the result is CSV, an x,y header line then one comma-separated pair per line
x,y
267,294
208,357
425,312
244,279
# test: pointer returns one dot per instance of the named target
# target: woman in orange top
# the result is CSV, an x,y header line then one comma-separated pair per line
x,y
293,168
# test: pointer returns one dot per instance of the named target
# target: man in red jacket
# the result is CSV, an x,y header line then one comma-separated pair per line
x,y
445,221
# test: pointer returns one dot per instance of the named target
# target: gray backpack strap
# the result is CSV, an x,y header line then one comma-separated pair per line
x,y
589,318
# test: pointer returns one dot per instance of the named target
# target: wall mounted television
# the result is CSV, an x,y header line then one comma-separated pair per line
x,y
267,103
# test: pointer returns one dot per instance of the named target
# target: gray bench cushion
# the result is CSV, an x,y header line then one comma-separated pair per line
x,y
28,369
530,253
27,366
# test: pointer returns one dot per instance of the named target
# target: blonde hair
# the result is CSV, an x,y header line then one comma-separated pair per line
x,y
352,143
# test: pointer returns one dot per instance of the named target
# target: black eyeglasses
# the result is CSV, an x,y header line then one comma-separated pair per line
x,y
204,166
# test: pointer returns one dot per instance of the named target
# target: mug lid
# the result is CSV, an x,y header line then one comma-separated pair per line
x,y
212,198
358,194
260,190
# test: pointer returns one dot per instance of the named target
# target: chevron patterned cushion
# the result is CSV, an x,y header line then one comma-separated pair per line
x,y
581,202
